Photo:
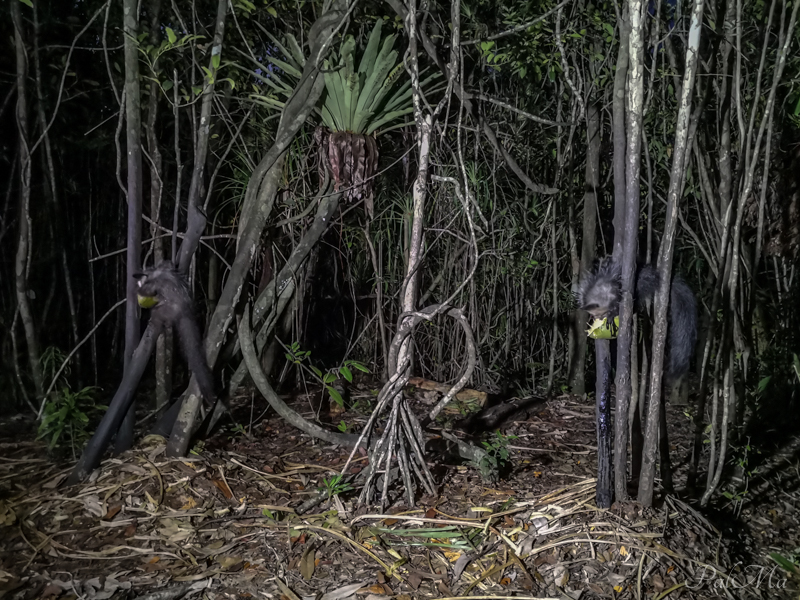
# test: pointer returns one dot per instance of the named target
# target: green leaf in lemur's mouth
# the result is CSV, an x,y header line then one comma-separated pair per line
x,y
601,329
146,301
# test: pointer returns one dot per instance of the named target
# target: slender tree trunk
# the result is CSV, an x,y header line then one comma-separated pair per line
x,y
22,259
164,343
665,257
195,219
57,226
133,124
588,240
629,234
602,348
195,224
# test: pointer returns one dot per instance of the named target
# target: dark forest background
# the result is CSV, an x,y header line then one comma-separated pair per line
x,y
520,193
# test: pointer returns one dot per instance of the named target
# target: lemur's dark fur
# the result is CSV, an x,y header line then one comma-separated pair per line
x,y
599,294
174,307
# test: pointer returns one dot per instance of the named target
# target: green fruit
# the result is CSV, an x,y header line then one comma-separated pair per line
x,y
146,301
601,329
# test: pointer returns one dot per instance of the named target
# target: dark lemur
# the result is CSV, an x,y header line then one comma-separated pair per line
x,y
600,293
173,306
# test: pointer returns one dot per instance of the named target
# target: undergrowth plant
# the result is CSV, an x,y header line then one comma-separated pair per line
x,y
496,456
294,354
335,486
66,416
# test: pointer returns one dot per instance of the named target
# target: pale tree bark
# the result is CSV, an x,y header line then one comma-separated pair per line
x,y
401,442
195,219
620,139
674,194
707,334
630,231
24,244
258,201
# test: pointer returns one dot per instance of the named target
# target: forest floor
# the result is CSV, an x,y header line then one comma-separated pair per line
x,y
222,523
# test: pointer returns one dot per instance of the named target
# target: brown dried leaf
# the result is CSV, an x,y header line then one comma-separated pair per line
x,y
231,564
308,563
112,512
222,486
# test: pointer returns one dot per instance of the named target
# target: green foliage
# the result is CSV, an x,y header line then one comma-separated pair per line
x,y
358,100
237,431
152,54
496,456
297,356
791,564
343,372
66,416
51,360
335,486
741,458
173,43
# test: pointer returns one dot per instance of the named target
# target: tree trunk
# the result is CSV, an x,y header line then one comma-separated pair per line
x,y
259,198
602,348
133,125
57,226
22,259
164,344
629,235
665,258
588,241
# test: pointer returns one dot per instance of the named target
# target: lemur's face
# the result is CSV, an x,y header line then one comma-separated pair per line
x,y
597,311
600,299
145,283
152,281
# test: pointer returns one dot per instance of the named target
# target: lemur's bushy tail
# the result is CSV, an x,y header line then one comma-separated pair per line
x,y
683,328
682,333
